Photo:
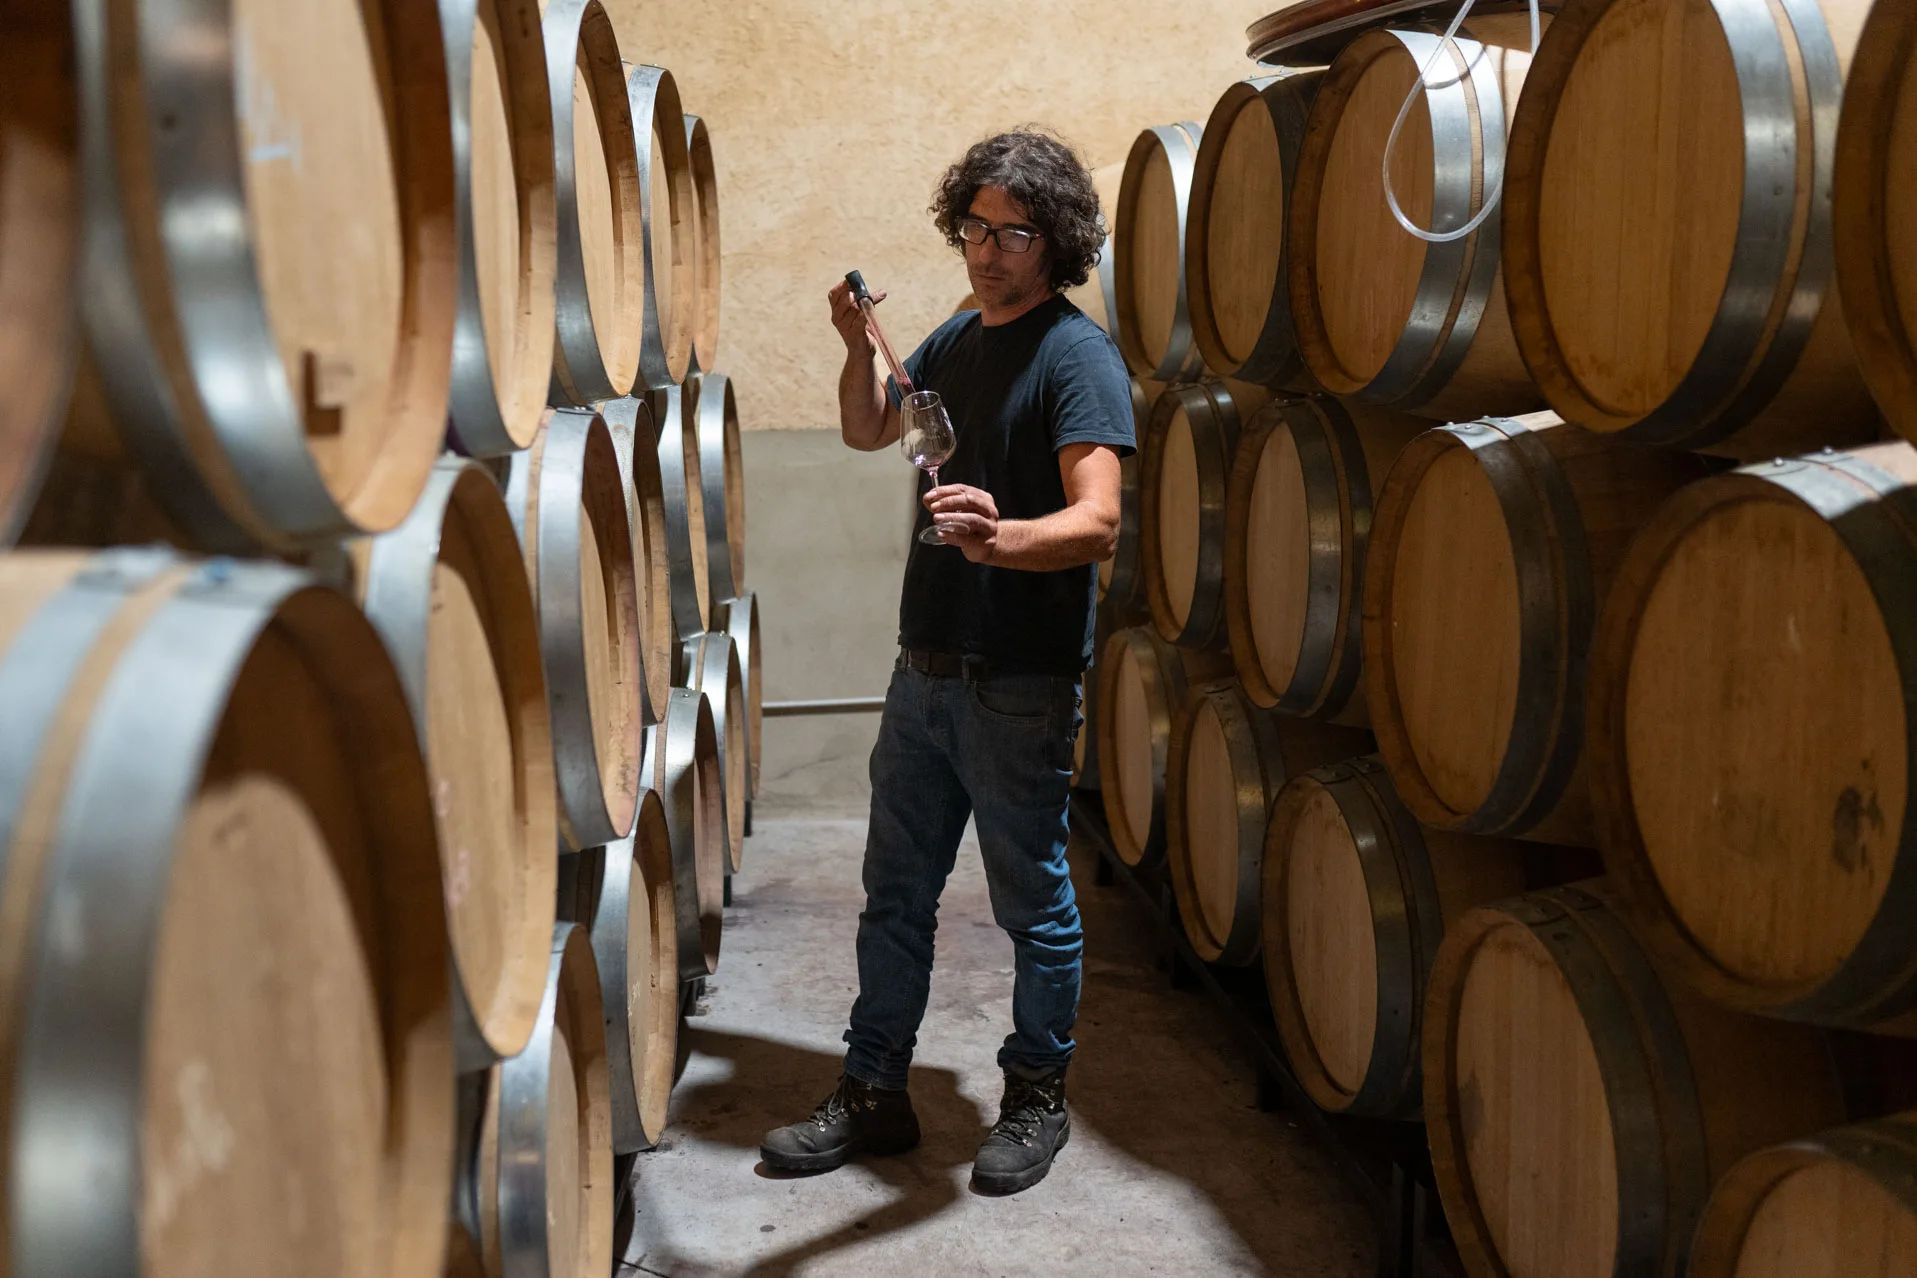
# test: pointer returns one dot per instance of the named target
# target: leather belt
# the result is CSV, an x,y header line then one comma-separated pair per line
x,y
943,665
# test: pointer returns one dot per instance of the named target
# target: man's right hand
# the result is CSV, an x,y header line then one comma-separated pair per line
x,y
850,320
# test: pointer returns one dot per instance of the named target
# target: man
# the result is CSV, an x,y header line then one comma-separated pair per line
x,y
995,630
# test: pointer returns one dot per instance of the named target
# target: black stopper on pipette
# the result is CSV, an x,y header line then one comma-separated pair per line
x,y
860,293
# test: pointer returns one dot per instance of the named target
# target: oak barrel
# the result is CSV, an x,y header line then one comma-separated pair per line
x,y
1379,313
545,1179
1668,224
681,474
669,225
739,618
447,591
1873,207
1579,1108
602,268
210,768
1750,737
272,399
706,260
1298,512
715,413
627,898
1149,236
1226,762
1121,579
1357,896
1839,1204
1142,682
569,509
712,666
1188,446
1236,277
1493,545
39,244
635,437
684,765
507,217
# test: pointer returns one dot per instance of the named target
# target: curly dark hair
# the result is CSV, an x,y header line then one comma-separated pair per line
x,y
1048,180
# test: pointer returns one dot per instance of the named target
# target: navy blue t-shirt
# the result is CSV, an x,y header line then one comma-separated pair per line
x,y
1017,393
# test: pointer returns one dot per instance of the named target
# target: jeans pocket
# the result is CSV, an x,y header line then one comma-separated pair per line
x,y
1027,699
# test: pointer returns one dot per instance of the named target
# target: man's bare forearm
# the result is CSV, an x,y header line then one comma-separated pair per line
x,y
1071,538
867,420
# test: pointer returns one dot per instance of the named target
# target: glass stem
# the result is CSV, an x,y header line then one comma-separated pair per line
x,y
934,472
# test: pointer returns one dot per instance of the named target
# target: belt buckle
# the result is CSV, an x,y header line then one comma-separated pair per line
x,y
973,668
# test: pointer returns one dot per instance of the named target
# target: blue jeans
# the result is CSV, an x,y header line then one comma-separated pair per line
x,y
998,749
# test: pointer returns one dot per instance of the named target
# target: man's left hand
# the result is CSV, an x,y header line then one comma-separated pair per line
x,y
967,517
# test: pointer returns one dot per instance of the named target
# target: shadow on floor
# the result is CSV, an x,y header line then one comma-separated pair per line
x,y
760,1095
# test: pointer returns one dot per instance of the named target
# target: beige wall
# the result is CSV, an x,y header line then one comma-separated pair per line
x,y
831,121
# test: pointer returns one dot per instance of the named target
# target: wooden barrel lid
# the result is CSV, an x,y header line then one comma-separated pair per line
x,y
1141,685
502,362
1188,449
1211,833
740,619
1521,1066
1148,247
628,896
712,661
1580,1105
39,222
272,816
1277,555
329,404
1239,287
635,436
1133,774
1764,597
722,484
1454,590
1840,1203
668,227
1331,939
706,257
1633,283
675,409
1698,311
683,764
601,272
1359,244
323,188
568,505
548,1132
1813,923
448,592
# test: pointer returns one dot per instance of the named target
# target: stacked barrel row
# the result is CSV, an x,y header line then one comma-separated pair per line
x,y
365,821
1613,898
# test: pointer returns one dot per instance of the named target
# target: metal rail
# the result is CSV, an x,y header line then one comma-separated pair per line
x,y
830,705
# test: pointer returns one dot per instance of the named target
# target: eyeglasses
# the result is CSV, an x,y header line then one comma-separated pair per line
x,y
1010,239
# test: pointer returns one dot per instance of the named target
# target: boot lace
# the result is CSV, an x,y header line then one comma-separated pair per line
x,y
838,1106
1023,1111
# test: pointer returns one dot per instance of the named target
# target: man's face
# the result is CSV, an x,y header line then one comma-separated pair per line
x,y
1001,279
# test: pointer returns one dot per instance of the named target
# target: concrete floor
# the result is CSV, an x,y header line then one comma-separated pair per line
x,y
1171,1168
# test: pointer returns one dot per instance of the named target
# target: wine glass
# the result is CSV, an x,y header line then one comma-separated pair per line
x,y
925,435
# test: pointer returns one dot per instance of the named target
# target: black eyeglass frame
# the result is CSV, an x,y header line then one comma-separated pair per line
x,y
1024,241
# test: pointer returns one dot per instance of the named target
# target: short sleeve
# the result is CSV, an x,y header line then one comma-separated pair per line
x,y
1091,394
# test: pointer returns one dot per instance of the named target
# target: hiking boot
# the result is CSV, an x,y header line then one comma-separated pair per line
x,y
857,1118
1032,1127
